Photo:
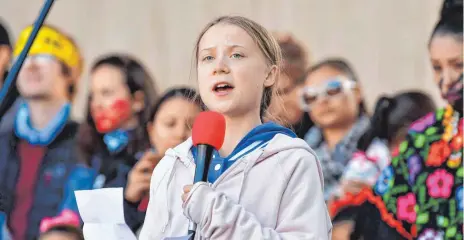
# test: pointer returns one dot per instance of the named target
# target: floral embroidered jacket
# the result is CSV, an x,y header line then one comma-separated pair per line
x,y
420,193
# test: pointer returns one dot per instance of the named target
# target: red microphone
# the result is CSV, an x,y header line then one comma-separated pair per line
x,y
209,128
208,134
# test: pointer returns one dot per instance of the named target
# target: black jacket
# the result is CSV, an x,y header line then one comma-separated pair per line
x,y
58,163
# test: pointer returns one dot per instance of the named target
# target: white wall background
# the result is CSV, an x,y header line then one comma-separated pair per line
x,y
386,41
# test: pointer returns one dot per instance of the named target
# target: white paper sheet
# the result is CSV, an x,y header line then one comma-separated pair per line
x,y
103,214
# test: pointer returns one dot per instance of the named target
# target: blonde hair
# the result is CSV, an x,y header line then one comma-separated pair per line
x,y
262,37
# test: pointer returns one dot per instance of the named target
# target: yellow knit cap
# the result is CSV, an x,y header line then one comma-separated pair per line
x,y
52,42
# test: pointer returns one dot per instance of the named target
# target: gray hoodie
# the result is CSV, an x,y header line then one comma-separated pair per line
x,y
275,192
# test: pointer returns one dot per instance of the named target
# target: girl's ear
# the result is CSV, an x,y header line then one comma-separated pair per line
x,y
271,76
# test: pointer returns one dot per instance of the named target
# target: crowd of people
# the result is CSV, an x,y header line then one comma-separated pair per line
x,y
339,170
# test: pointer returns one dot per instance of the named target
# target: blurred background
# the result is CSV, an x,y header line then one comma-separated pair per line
x,y
384,40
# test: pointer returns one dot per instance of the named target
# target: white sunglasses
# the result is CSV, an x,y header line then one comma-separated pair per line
x,y
331,88
38,58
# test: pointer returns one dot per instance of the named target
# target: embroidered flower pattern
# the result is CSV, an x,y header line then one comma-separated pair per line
x,y
454,160
414,166
422,189
456,142
421,124
439,184
406,208
385,181
439,152
430,234
459,197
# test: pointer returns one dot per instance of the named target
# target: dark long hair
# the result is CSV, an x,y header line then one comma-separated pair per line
x,y
185,92
90,141
5,39
342,66
393,115
450,22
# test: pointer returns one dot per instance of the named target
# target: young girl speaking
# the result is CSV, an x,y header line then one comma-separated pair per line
x,y
264,182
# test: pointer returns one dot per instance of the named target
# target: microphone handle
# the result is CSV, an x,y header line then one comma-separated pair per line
x,y
9,92
203,160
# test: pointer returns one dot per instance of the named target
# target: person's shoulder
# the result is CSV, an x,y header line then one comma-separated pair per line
x,y
284,145
427,121
6,138
183,148
293,154
68,135
429,126
166,164
70,129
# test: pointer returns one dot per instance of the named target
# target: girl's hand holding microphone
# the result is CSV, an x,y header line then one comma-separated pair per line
x,y
186,191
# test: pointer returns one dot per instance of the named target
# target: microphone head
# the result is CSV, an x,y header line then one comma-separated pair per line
x,y
209,128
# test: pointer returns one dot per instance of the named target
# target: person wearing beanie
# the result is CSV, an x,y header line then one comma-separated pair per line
x,y
39,170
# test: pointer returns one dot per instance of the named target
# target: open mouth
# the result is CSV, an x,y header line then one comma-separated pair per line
x,y
222,87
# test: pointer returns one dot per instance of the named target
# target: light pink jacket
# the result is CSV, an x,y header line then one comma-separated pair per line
x,y
275,192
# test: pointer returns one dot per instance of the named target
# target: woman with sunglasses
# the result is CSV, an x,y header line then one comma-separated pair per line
x,y
332,97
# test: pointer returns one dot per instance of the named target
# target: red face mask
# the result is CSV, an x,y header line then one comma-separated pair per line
x,y
111,118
